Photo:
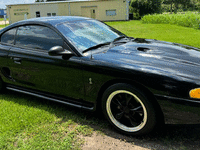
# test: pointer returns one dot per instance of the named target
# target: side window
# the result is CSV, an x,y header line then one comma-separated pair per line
x,y
37,37
8,36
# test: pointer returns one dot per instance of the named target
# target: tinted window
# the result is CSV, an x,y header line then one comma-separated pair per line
x,y
37,37
8,37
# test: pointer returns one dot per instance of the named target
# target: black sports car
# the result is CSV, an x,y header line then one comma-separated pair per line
x,y
136,83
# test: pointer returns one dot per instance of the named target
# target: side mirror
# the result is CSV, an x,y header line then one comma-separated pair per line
x,y
58,50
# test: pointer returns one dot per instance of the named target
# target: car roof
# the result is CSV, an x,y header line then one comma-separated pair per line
x,y
56,20
52,21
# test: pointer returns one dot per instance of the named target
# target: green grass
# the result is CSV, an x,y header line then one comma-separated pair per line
x,y
163,32
188,19
31,123
3,26
2,19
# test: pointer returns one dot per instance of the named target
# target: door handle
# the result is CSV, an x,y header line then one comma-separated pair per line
x,y
17,60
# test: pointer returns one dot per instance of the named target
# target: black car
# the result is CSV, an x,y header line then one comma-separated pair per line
x,y
138,84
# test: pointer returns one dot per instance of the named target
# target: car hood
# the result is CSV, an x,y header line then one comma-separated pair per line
x,y
153,56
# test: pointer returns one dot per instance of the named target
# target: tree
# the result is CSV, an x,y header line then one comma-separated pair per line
x,y
184,3
143,7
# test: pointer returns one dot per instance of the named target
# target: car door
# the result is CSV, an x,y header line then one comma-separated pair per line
x,y
6,41
31,68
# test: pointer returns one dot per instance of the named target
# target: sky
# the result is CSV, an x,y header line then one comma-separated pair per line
x,y
3,3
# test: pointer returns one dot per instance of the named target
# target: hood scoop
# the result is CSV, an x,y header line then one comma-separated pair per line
x,y
143,49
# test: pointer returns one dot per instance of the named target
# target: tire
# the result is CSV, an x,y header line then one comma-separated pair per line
x,y
128,109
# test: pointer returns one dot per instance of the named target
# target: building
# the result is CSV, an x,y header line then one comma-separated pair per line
x,y
104,10
2,13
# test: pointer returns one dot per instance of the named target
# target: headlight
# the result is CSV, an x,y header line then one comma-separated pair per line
x,y
195,93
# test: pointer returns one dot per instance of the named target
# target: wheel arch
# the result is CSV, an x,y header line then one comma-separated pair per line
x,y
141,87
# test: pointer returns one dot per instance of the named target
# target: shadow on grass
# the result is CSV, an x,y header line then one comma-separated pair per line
x,y
168,137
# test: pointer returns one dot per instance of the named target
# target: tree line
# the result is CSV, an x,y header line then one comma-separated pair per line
x,y
142,7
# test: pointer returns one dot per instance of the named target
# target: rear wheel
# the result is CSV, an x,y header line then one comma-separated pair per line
x,y
128,109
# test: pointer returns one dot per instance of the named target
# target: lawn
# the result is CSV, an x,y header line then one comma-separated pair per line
x,y
3,26
27,122
31,123
2,19
164,32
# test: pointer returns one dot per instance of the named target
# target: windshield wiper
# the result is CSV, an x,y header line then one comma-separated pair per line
x,y
119,38
107,43
96,46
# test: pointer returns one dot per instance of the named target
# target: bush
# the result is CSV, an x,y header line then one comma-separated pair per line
x,y
188,19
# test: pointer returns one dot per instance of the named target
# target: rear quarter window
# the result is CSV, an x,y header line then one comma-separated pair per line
x,y
8,37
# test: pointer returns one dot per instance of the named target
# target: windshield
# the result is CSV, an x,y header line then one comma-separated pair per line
x,y
88,33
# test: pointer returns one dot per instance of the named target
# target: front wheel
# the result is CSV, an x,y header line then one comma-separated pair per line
x,y
128,109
